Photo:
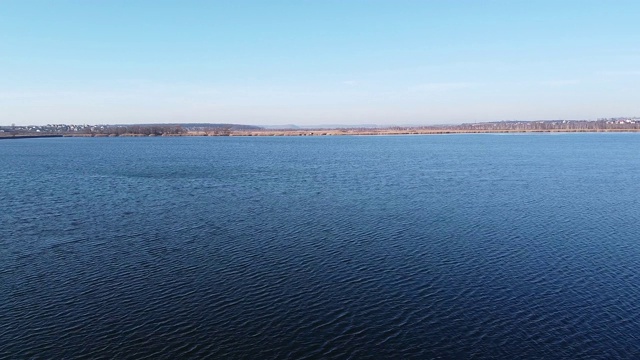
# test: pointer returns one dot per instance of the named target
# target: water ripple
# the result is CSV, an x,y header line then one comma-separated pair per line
x,y
351,248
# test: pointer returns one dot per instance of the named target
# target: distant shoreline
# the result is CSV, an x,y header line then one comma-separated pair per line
x,y
373,132
361,132
6,137
327,132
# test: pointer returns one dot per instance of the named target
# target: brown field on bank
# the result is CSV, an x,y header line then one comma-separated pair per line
x,y
409,131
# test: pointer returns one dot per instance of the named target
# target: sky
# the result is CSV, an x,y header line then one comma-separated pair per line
x,y
395,62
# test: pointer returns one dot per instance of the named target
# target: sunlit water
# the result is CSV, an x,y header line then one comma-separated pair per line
x,y
460,246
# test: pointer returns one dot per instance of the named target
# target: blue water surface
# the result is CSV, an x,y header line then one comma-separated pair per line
x,y
447,246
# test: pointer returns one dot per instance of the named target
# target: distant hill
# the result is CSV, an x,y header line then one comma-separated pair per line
x,y
341,126
203,126
322,126
281,127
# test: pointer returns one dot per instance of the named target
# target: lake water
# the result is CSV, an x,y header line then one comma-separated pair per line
x,y
452,246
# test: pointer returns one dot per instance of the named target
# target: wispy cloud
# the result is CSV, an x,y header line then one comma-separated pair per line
x,y
442,86
617,73
559,82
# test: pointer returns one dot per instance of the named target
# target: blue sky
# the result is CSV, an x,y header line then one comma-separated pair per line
x,y
317,62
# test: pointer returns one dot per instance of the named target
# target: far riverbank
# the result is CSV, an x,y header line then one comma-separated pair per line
x,y
326,132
